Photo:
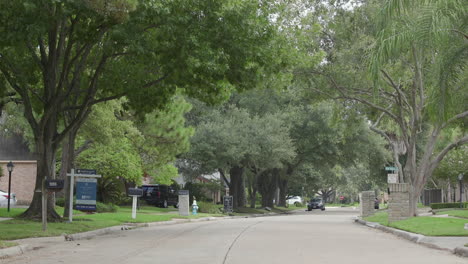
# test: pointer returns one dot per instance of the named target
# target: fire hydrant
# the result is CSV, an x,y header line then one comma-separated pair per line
x,y
194,206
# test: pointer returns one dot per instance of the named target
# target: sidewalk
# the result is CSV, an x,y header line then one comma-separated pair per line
x,y
455,245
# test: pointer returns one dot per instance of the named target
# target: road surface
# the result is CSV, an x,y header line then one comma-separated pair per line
x,y
304,237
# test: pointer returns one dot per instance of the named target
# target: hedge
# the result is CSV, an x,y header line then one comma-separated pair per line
x,y
448,205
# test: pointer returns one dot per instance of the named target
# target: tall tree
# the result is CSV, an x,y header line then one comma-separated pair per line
x,y
232,141
417,61
62,57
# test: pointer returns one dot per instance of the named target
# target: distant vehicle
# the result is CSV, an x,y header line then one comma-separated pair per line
x,y
4,199
294,200
160,195
316,203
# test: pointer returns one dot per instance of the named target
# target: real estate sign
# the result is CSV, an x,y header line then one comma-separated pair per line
x,y
392,178
86,194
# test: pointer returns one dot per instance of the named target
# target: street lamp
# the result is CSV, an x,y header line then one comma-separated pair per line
x,y
460,179
10,167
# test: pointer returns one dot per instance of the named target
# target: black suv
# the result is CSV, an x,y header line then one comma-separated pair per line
x,y
315,203
160,195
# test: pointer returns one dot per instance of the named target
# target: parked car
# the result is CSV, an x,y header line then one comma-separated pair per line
x,y
294,200
160,195
4,199
316,203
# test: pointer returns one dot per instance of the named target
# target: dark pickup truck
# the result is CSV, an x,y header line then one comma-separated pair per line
x,y
160,195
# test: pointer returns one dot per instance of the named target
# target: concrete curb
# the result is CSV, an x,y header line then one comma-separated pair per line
x,y
416,238
13,251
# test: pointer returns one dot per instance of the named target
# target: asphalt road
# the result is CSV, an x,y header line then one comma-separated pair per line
x,y
305,237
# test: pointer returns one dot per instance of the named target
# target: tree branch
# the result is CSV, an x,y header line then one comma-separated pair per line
x,y
456,117
435,162
35,57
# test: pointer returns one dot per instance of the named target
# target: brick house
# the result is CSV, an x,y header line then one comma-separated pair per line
x,y
23,177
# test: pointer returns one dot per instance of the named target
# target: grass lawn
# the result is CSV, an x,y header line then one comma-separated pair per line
x,y
425,225
456,213
379,217
18,228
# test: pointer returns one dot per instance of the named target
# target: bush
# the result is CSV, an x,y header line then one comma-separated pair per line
x,y
106,208
298,204
61,201
197,190
448,205
209,208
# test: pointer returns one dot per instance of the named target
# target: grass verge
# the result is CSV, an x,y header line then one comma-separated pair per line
x,y
425,225
5,244
455,213
20,228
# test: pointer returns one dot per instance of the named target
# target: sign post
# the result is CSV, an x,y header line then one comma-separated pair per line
x,y
135,193
184,202
82,173
228,204
392,176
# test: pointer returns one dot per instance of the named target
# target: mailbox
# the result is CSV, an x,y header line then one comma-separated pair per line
x,y
135,192
54,185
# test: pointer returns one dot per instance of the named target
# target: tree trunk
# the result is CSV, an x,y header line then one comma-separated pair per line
x,y
68,158
252,189
283,186
237,186
45,150
253,197
268,183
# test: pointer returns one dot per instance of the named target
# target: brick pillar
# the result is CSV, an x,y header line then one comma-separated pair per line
x,y
366,200
399,202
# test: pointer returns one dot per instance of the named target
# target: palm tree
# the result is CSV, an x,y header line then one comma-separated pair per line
x,y
421,54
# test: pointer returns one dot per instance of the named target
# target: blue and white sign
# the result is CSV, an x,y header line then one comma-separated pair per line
x,y
86,194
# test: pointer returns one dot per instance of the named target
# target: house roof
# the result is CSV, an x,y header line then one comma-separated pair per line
x,y
14,148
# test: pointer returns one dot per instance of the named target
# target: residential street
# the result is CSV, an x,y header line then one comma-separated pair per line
x,y
305,237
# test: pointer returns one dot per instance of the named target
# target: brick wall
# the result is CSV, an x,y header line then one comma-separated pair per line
x,y
366,200
398,204
23,180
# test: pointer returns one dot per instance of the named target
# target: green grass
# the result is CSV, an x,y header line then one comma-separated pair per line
x,y
14,212
456,213
379,217
5,244
425,225
19,228
433,226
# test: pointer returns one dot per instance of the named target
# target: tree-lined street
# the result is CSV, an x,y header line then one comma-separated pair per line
x,y
303,237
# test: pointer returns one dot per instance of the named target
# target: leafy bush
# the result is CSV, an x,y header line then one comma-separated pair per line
x,y
448,205
298,204
197,190
61,201
106,208
209,208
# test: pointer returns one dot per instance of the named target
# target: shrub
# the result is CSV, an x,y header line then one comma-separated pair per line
x,y
61,201
209,208
298,204
106,208
448,205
